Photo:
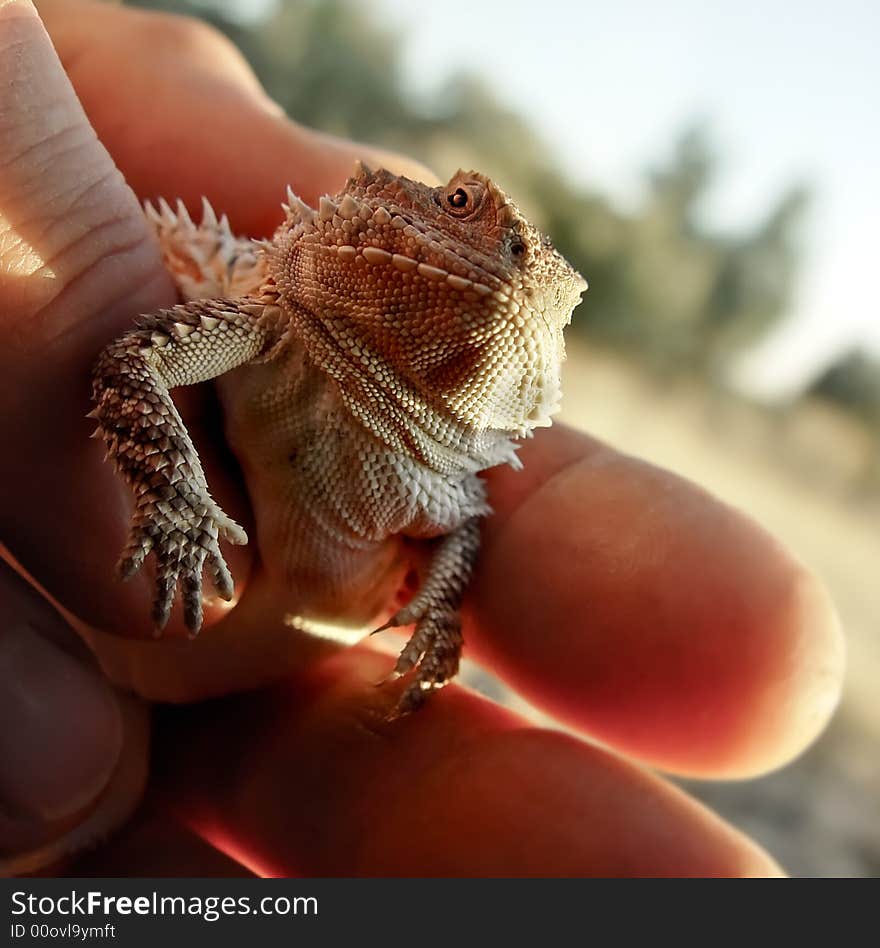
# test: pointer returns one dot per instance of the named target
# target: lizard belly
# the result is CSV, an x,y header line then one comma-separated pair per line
x,y
324,536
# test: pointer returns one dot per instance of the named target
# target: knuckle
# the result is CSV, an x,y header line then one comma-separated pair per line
x,y
174,36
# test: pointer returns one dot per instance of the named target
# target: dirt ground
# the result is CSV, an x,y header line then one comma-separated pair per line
x,y
798,473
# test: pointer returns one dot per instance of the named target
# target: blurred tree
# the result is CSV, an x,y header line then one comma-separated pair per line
x,y
753,283
677,188
708,294
852,383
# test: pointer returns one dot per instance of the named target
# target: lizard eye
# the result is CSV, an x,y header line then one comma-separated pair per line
x,y
517,248
463,200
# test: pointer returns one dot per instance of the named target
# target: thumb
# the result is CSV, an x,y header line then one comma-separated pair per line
x,y
76,261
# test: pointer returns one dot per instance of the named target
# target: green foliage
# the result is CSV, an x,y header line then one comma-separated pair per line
x,y
662,284
701,296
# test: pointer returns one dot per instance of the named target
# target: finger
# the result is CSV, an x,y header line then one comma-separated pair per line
x,y
76,264
311,780
631,604
72,751
245,152
253,645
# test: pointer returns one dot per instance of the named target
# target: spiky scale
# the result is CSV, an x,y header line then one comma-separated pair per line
x,y
209,218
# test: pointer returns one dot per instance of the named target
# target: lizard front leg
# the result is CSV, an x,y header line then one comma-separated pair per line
x,y
434,649
175,516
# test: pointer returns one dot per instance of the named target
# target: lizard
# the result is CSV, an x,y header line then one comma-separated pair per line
x,y
371,358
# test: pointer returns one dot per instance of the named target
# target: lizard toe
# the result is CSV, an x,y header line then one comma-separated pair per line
x,y
191,583
230,530
220,575
163,599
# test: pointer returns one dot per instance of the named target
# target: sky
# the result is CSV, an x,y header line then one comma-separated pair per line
x,y
791,92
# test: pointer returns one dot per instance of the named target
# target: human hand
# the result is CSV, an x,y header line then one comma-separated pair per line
x,y
667,625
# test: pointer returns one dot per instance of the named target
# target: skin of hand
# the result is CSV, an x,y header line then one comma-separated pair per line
x,y
621,599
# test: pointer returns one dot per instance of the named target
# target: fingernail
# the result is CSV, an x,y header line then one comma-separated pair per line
x,y
61,732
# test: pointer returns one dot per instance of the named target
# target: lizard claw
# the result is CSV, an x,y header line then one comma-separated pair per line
x,y
387,679
390,624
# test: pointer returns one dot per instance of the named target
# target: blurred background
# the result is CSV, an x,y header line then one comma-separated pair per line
x,y
713,170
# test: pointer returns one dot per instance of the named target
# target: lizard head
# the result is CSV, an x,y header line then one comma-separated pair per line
x,y
450,288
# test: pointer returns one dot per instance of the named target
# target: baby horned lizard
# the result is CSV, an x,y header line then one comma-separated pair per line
x,y
392,343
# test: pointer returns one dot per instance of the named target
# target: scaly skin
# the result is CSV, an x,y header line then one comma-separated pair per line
x,y
395,341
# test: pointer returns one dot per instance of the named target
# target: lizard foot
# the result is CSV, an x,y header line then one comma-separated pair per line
x,y
435,647
433,651
183,541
